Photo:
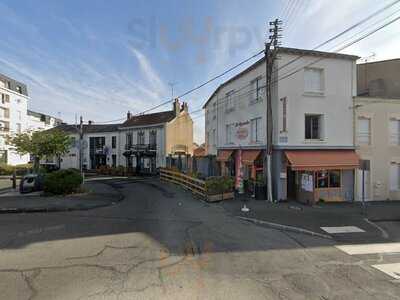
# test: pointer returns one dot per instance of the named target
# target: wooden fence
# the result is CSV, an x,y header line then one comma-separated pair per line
x,y
195,185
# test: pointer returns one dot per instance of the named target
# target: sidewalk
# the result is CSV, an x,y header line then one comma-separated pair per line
x,y
97,195
312,218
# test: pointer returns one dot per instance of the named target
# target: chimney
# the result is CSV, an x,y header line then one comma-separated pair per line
x,y
185,107
128,115
176,106
90,122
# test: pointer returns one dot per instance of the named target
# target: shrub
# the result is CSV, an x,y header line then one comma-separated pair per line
x,y
20,169
62,182
219,184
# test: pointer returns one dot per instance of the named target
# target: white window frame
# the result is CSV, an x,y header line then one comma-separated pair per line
x,y
394,170
256,90
309,88
394,137
229,133
230,104
321,136
256,130
364,134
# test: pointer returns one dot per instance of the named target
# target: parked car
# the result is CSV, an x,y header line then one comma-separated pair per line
x,y
31,183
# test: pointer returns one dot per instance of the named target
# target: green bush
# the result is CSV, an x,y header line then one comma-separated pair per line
x,y
219,184
20,169
62,182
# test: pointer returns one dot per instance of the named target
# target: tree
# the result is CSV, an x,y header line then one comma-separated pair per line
x,y
41,144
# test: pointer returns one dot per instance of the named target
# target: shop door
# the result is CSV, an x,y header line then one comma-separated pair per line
x,y
291,184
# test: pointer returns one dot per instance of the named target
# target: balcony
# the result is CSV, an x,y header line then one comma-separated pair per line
x,y
141,147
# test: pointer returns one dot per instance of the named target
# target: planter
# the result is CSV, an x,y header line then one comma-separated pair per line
x,y
220,197
260,192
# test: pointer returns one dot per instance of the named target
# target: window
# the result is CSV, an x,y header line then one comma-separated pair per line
x,y
284,114
364,131
256,90
313,127
328,179
19,115
394,177
214,110
153,137
214,137
114,160
229,133
18,127
256,130
313,80
5,98
18,89
230,105
129,139
113,142
140,138
394,132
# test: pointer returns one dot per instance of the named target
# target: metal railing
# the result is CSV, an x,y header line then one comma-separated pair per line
x,y
196,186
141,147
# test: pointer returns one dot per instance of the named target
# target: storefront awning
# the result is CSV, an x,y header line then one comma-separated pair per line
x,y
249,156
224,155
311,160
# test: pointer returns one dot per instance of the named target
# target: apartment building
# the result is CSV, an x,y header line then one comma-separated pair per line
x,y
141,143
377,130
313,149
150,138
13,117
37,121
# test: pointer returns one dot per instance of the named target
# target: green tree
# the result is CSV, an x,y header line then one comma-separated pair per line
x,y
41,144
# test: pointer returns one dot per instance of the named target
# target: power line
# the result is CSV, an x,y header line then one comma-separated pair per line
x,y
206,82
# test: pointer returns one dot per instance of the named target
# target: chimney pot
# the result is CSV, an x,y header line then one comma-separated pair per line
x,y
128,115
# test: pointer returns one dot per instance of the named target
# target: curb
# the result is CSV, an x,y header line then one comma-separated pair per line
x,y
286,227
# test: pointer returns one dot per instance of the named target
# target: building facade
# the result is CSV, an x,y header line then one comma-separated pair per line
x,y
37,121
313,149
378,143
141,143
379,79
13,117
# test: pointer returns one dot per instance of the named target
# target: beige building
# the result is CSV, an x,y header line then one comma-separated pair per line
x,y
379,79
377,136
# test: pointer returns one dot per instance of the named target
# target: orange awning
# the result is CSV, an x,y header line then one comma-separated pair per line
x,y
249,156
311,160
224,155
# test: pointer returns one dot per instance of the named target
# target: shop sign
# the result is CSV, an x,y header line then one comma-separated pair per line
x,y
242,133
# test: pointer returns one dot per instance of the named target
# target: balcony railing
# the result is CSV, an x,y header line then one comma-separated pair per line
x,y
141,147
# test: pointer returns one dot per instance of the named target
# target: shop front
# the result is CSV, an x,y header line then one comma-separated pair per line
x,y
321,175
245,165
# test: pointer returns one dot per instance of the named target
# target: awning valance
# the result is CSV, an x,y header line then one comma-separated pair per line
x,y
312,160
249,156
224,155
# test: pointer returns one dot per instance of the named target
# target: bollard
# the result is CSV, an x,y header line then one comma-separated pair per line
x,y
14,180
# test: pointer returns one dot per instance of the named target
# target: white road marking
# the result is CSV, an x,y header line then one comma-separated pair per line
x,y
370,248
392,270
342,229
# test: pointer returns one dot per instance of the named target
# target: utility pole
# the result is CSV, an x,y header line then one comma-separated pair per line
x,y
81,146
270,54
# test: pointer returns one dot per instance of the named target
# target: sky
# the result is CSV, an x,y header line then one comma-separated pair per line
x,y
100,59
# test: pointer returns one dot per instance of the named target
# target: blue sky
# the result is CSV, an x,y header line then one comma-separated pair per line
x,y
103,58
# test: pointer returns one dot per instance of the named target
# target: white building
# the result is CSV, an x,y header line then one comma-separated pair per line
x,y
141,142
38,121
313,144
16,118
13,117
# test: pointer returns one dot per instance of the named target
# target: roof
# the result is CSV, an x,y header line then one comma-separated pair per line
x,y
39,115
379,61
92,128
13,84
287,50
149,119
312,160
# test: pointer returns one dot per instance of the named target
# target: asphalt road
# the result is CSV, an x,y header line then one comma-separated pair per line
x,y
160,243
